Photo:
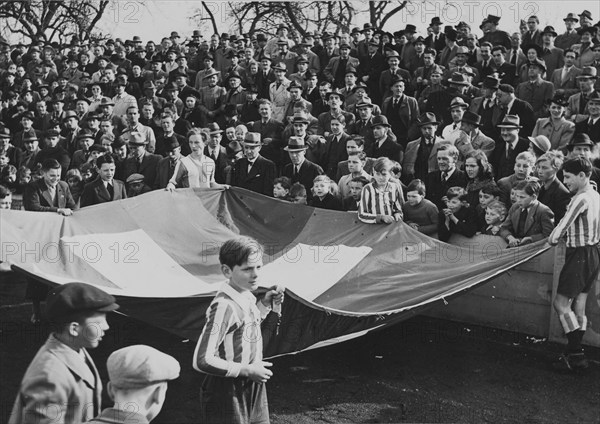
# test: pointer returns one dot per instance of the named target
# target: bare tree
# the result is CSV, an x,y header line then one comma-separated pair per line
x,y
52,20
382,11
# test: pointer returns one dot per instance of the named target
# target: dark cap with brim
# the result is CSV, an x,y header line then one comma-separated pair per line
x,y
74,298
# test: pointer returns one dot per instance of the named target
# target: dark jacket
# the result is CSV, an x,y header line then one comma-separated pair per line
x,y
95,192
37,197
259,179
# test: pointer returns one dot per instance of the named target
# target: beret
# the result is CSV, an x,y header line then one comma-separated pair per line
x,y
139,366
71,298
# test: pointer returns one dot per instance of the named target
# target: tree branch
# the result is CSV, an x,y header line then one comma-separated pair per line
x,y
212,17
393,12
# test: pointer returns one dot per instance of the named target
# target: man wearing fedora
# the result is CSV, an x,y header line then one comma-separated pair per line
x,y
278,91
439,101
335,100
26,121
582,146
140,161
216,152
449,51
254,172
536,91
420,156
391,74
565,78
336,69
401,111
363,45
577,110
201,77
211,98
295,89
270,130
104,188
492,34
49,193
300,170
570,36
471,138
551,55
285,56
591,125
508,147
511,105
328,52
265,77
236,94
586,46
166,166
222,61
437,39
451,131
370,68
301,124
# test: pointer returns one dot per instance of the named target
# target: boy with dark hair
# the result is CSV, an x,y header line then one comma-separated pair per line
x,y
230,347
298,194
581,224
419,213
351,203
458,217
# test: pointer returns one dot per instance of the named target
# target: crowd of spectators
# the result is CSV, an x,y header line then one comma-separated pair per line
x,y
446,131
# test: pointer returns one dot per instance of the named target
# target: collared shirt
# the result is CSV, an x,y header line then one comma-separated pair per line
x,y
581,222
231,336
375,200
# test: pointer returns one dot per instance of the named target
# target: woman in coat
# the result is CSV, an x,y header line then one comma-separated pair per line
x,y
557,128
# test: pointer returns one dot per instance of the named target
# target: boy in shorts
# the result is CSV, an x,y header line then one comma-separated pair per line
x,y
230,347
581,224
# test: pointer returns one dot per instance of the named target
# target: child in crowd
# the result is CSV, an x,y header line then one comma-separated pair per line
x,y
88,172
495,214
458,217
281,188
528,220
5,198
323,189
487,194
76,183
351,203
230,348
356,162
136,185
8,177
23,178
381,200
298,194
419,213
524,167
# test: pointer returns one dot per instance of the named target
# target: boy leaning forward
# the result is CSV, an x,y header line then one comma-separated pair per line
x,y
230,347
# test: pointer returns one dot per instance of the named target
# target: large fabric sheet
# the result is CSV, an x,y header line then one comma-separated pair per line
x,y
159,254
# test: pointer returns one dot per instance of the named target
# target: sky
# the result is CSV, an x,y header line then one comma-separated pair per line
x,y
152,20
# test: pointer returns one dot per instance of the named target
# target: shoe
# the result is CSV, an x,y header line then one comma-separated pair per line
x,y
571,362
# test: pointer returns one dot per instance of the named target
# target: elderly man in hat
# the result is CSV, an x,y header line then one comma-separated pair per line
x,y
166,166
300,170
138,375
254,172
62,383
420,156
537,92
104,188
577,110
492,34
591,125
140,160
509,146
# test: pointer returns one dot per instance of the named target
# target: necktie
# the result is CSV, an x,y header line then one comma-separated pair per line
x,y
513,58
509,151
521,225
444,176
296,170
111,190
52,192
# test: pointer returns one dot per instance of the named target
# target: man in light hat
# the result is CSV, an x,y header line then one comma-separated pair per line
x,y
459,64
335,100
122,99
278,91
577,110
300,170
537,92
508,148
138,375
210,97
62,383
254,172
140,160
457,108
570,36
284,55
105,188
389,76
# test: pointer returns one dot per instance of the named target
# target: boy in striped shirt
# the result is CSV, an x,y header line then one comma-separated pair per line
x,y
581,224
230,347
381,201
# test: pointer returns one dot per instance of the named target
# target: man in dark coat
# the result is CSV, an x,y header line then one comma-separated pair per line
x,y
505,153
300,170
254,172
104,188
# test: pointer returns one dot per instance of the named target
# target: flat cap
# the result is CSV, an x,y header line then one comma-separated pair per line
x,y
134,178
140,366
72,298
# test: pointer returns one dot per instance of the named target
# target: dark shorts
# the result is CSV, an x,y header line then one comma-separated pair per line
x,y
233,401
581,269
